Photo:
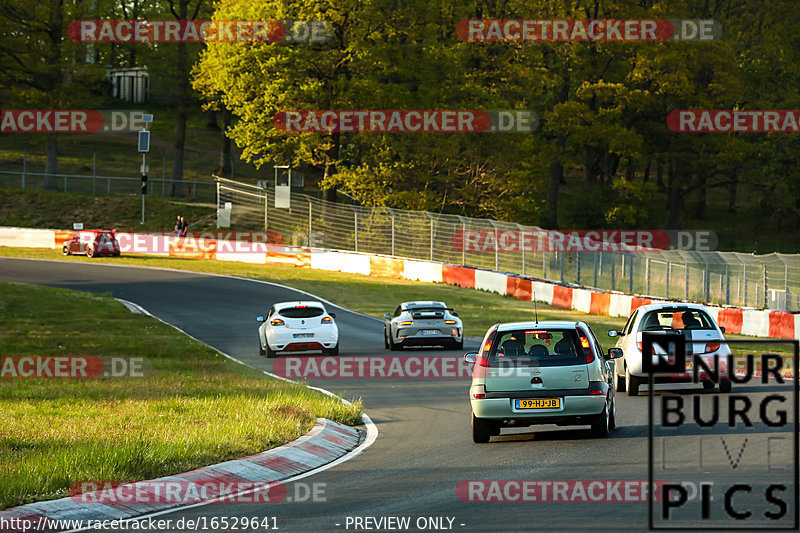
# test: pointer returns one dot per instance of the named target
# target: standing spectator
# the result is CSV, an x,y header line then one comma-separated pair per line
x,y
184,228
178,226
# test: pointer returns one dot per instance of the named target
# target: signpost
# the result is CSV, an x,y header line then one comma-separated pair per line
x,y
144,147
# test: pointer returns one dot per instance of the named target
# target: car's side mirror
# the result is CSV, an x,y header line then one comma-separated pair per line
x,y
615,353
722,329
470,358
454,313
333,315
613,333
261,318
387,316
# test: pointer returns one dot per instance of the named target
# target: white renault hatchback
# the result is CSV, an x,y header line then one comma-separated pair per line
x,y
298,327
703,335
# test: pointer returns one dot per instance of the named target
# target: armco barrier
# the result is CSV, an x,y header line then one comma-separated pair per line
x,y
754,322
459,276
422,271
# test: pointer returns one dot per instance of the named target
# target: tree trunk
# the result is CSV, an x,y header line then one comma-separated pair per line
x,y
590,160
176,187
51,163
225,154
700,209
555,177
732,192
211,120
660,173
674,194
330,165
646,175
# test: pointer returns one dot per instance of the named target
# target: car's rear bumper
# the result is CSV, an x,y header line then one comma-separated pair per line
x,y
427,341
577,403
291,344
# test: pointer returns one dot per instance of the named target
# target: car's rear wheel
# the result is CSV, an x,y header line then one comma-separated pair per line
x,y
631,383
601,424
725,385
481,430
331,351
89,251
261,349
271,352
708,385
65,250
385,338
458,345
392,345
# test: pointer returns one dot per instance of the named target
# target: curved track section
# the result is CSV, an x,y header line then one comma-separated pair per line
x,y
424,449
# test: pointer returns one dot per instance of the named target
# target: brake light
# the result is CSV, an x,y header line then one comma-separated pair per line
x,y
586,346
405,323
639,345
711,347
483,355
595,392
478,392
450,322
327,320
277,322
300,306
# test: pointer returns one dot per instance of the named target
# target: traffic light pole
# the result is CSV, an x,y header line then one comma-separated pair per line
x,y
144,147
144,183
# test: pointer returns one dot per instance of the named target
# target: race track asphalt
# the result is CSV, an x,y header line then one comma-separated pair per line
x,y
424,448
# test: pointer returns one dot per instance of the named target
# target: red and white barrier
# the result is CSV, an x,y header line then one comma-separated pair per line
x,y
754,322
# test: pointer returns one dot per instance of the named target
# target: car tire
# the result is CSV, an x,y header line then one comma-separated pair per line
x,y
261,349
331,351
481,430
725,385
271,353
619,384
394,346
601,423
385,338
89,251
458,345
65,250
708,385
631,383
613,422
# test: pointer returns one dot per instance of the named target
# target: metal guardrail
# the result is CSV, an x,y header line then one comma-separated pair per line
x,y
729,278
195,190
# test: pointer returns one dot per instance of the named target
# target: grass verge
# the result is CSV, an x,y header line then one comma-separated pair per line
x,y
194,408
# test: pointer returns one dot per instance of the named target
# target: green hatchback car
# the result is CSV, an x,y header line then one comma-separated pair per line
x,y
552,372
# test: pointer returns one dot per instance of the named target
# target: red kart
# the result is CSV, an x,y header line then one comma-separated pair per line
x,y
92,242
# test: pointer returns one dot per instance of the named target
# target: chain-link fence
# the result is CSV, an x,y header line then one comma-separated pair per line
x,y
730,278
